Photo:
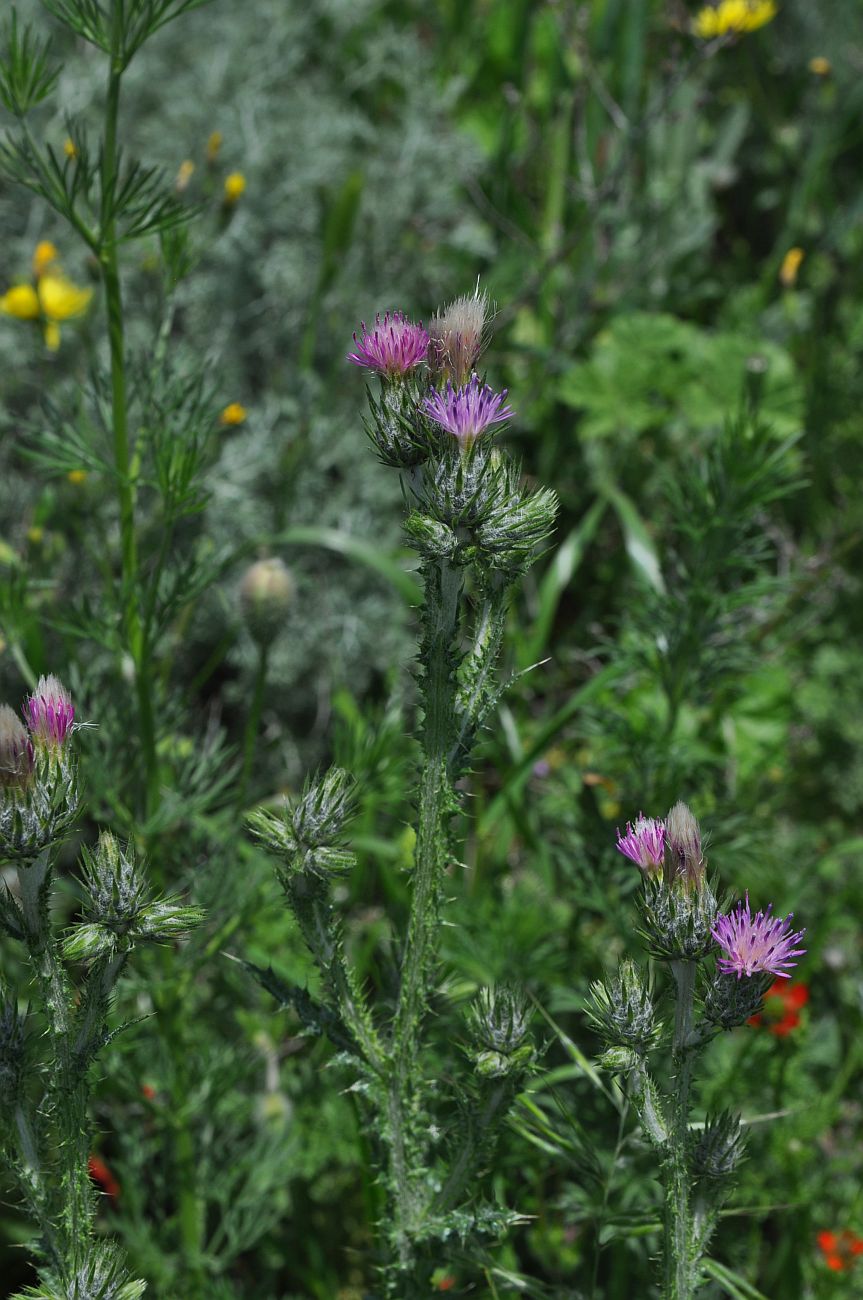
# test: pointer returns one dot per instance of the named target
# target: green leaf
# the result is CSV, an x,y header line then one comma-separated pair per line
x,y
639,543
732,1283
556,579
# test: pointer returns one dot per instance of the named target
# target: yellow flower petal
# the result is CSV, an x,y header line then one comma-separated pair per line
x,y
21,301
733,16
70,149
61,299
820,66
77,476
51,333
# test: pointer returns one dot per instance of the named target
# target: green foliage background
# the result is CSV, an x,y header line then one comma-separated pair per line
x,y
627,196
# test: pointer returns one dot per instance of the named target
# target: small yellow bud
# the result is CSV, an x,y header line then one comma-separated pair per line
x,y
790,266
235,185
35,534
21,301
184,175
234,413
43,255
76,476
70,148
214,145
820,66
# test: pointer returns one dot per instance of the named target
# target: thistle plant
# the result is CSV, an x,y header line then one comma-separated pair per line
x,y
47,1048
683,926
476,529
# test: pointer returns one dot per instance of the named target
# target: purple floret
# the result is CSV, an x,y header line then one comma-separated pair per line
x,y
49,712
392,346
467,412
644,843
762,942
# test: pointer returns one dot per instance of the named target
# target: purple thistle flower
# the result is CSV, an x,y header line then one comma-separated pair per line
x,y
49,712
467,412
756,943
644,843
392,347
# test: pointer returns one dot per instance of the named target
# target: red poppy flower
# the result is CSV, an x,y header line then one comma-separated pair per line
x,y
782,1004
840,1249
101,1174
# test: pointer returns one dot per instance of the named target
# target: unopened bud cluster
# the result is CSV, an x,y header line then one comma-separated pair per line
x,y
719,1147
307,836
499,1022
38,775
622,1011
118,907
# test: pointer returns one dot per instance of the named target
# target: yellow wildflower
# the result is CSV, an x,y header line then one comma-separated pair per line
x,y
70,148
235,184
51,335
820,66
184,175
790,266
60,298
21,301
234,413
214,144
730,16
77,476
35,534
43,255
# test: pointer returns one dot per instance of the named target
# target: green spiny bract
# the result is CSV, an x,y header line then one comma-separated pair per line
x,y
102,1277
677,919
397,428
719,1148
307,837
38,814
622,1012
730,1001
499,1022
119,909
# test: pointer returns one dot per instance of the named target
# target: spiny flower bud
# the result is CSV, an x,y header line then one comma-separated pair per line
x,y
677,922
49,713
308,836
266,591
433,539
622,1012
499,1020
719,1148
458,336
16,752
730,1002
684,862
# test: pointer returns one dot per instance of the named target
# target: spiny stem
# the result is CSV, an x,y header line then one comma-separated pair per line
x,y
678,1263
253,723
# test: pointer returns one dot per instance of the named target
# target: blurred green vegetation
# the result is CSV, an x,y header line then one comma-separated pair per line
x,y
629,196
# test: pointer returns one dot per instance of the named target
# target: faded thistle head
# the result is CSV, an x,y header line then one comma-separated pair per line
x,y
622,1011
38,774
499,1023
307,837
684,861
118,907
459,333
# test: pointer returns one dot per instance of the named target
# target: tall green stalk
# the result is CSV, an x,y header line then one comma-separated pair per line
x,y
678,1220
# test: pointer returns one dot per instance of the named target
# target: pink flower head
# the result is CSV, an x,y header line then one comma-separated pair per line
x,y
49,713
392,347
644,843
759,943
467,412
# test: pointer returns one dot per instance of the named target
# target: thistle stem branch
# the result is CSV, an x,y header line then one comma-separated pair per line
x,y
678,1253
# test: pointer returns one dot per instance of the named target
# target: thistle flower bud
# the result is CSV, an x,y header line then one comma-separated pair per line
x,y
49,713
458,336
677,922
266,591
395,427
719,1148
499,1020
16,752
433,539
622,1012
730,1002
684,862
308,836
